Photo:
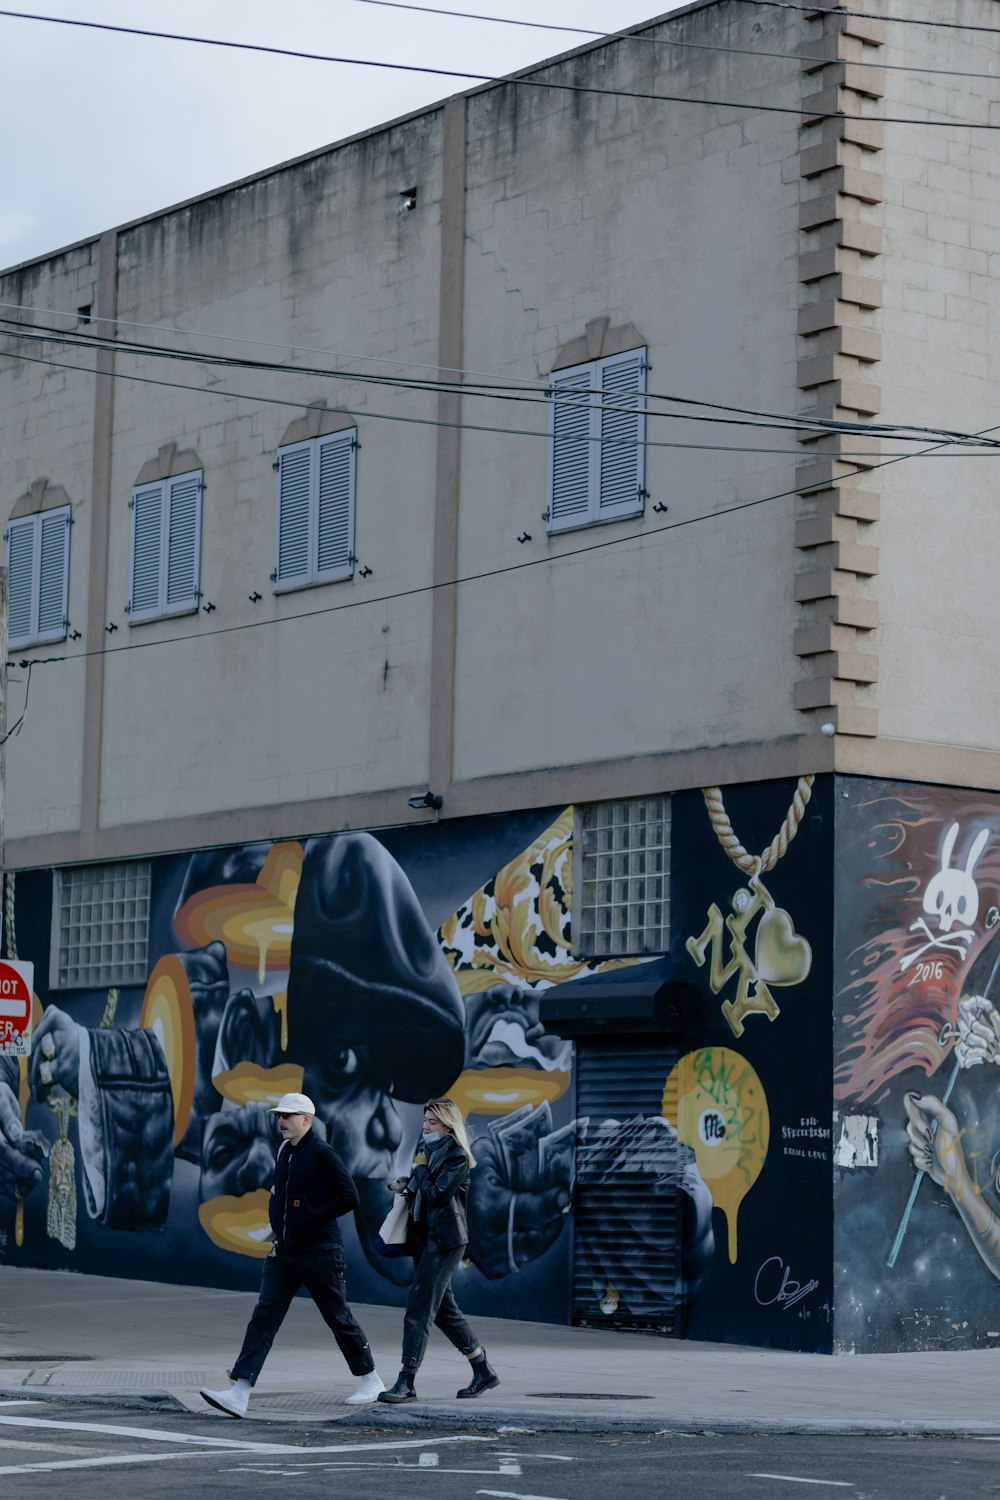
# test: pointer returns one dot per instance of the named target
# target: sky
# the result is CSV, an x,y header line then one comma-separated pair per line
x,y
100,128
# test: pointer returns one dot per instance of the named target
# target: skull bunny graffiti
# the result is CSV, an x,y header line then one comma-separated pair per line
x,y
951,896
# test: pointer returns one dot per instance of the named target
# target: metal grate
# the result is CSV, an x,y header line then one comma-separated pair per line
x,y
623,900
119,1380
103,916
627,1270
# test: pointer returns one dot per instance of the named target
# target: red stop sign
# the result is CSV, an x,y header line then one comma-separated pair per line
x,y
15,1006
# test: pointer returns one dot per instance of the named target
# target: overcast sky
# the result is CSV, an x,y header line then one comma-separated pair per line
x,y
99,129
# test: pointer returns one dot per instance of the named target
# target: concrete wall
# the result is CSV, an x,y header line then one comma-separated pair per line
x,y
539,211
781,261
938,529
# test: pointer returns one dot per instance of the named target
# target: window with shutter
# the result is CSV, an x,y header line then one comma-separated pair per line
x,y
335,506
570,500
183,543
315,511
166,547
38,582
598,433
20,583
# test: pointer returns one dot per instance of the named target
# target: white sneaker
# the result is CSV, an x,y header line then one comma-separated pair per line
x,y
367,1391
234,1403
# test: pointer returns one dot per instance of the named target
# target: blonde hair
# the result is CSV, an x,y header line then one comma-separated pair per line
x,y
450,1116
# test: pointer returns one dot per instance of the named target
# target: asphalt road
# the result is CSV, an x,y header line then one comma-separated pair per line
x,y
97,1453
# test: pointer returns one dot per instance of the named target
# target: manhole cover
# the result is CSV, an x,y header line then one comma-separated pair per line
x,y
583,1396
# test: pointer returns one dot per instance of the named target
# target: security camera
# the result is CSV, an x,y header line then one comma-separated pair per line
x,y
828,729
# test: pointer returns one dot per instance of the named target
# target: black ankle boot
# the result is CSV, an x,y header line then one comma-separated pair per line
x,y
402,1390
484,1378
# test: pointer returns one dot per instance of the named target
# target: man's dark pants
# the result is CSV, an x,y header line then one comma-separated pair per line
x,y
320,1269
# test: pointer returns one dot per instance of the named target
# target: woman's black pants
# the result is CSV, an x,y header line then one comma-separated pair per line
x,y
431,1300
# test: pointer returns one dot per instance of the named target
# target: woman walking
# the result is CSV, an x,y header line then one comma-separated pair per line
x,y
438,1234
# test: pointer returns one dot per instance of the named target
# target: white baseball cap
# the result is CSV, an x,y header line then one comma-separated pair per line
x,y
293,1104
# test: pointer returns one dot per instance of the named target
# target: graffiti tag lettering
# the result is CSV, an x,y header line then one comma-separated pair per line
x,y
774,1286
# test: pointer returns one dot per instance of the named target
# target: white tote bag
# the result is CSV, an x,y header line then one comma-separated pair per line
x,y
393,1234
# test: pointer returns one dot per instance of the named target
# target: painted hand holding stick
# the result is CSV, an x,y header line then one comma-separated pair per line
x,y
935,1138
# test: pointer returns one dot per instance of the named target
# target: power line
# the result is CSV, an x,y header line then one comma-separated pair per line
x,y
591,398
366,414
513,80
861,15
431,588
665,41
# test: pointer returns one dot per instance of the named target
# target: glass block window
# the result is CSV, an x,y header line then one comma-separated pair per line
x,y
622,890
103,925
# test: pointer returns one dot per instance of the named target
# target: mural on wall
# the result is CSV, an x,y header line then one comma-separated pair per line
x,y
307,965
753,937
918,1021
373,973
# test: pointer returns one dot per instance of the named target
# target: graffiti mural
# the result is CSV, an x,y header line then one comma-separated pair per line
x,y
751,1095
918,1025
303,965
375,972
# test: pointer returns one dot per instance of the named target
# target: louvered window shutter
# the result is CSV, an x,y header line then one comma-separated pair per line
x,y
21,539
573,452
147,551
294,492
623,434
53,574
335,505
183,543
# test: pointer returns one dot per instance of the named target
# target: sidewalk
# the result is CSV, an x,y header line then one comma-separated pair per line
x,y
138,1343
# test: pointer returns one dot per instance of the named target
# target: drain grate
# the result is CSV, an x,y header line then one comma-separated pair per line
x,y
583,1396
41,1359
328,1405
120,1380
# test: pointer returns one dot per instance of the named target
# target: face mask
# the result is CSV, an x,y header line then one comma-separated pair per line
x,y
432,1139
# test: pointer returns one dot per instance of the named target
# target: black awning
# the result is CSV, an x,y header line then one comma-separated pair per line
x,y
639,997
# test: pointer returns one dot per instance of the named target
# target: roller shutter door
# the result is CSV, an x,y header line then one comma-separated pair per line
x,y
627,1204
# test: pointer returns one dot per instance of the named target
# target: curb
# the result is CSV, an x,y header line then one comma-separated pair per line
x,y
452,1416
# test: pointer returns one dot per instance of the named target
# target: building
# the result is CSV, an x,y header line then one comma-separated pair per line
x,y
506,607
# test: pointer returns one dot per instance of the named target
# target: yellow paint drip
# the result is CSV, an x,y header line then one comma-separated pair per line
x,y
716,1103
280,1003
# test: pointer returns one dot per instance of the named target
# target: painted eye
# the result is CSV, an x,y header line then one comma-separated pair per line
x,y
346,1062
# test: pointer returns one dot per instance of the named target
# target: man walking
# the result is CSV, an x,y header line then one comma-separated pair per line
x,y
312,1189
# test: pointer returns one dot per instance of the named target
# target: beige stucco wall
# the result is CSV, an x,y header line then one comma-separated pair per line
x,y
681,221
290,709
646,655
940,526
46,427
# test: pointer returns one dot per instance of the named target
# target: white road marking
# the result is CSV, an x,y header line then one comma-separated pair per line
x,y
106,1460
420,1467
513,1495
795,1479
23,1401
42,1447
200,1447
232,1445
146,1434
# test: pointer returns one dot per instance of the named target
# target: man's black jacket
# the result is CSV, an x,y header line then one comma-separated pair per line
x,y
312,1188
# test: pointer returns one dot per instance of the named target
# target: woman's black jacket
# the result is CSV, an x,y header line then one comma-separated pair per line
x,y
444,1188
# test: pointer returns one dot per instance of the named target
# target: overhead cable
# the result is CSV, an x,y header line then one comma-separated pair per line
x,y
642,37
513,80
592,398
489,573
375,416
